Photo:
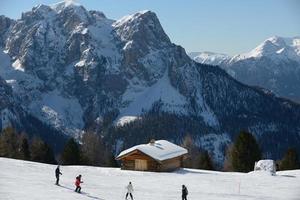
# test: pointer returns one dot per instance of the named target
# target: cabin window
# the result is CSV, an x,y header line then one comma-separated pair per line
x,y
141,164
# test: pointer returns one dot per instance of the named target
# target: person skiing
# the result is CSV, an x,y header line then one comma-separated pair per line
x,y
129,191
184,192
77,184
57,174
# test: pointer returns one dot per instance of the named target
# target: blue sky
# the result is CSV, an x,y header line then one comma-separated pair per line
x,y
225,26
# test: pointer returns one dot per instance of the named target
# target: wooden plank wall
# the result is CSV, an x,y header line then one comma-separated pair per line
x,y
128,162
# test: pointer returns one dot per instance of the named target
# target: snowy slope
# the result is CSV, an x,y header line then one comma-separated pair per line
x,y
22,180
142,98
276,48
274,64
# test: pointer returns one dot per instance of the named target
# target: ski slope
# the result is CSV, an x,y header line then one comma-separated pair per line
x,y
22,180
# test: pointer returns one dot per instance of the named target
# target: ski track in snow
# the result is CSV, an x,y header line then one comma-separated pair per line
x,y
35,181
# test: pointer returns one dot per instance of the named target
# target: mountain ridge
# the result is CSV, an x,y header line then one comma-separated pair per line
x,y
76,70
274,65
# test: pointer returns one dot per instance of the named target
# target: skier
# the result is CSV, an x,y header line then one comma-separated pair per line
x,y
129,191
57,173
184,192
77,184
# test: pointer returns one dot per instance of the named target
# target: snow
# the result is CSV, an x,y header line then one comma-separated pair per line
x,y
17,65
209,117
214,143
130,18
59,110
58,7
276,48
15,74
22,180
142,98
209,57
104,40
160,150
265,166
52,107
126,119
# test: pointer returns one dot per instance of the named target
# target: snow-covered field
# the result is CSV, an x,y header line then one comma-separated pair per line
x,y
34,181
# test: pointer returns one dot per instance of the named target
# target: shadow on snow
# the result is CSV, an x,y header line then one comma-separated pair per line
x,y
82,193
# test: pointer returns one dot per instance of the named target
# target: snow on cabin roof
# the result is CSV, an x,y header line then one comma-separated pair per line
x,y
159,150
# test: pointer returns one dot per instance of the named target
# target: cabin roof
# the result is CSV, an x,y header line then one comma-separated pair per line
x,y
159,150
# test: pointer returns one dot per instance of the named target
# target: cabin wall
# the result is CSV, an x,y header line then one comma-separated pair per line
x,y
128,163
171,164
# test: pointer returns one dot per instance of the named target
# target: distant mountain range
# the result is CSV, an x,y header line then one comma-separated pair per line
x,y
209,58
274,65
74,69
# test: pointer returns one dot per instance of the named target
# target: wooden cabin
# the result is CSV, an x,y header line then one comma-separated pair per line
x,y
157,156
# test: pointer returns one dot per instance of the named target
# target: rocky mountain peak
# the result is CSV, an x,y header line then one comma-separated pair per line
x,y
144,28
67,4
74,69
275,48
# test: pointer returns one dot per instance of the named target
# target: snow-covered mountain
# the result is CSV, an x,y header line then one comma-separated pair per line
x,y
209,58
38,183
274,65
75,69
276,48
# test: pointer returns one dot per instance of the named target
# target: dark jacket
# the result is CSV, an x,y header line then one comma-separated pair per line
x,y
57,172
184,191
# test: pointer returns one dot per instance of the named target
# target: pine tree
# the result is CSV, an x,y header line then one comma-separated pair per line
x,y
195,158
193,151
245,152
227,167
71,153
92,149
24,152
205,161
95,152
9,143
41,152
290,160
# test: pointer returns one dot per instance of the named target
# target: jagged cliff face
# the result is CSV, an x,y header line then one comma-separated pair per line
x,y
71,66
74,68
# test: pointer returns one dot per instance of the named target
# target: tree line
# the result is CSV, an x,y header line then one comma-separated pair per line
x,y
240,156
17,145
92,149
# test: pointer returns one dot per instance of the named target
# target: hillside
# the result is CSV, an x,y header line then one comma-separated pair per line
x,y
74,70
27,180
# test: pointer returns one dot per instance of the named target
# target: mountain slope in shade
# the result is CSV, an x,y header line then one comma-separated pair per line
x,y
75,69
274,65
